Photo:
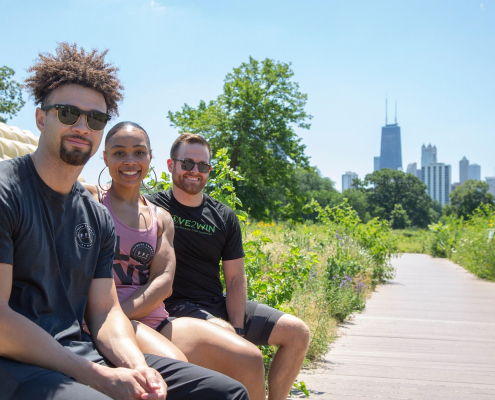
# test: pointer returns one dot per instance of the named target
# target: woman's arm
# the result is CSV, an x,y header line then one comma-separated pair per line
x,y
159,286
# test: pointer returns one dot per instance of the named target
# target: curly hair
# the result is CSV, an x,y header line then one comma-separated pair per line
x,y
73,66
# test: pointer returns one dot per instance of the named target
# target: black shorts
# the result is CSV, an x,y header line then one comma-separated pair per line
x,y
166,321
185,381
258,322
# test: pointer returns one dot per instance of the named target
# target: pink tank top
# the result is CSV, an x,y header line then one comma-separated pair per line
x,y
134,252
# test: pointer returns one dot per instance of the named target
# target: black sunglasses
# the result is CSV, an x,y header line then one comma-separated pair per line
x,y
188,165
70,115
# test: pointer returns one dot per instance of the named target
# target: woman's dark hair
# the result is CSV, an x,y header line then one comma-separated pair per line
x,y
125,125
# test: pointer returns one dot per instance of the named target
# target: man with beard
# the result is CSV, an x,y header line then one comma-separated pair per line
x,y
207,232
56,254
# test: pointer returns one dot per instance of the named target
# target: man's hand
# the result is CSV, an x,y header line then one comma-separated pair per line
x,y
155,385
131,384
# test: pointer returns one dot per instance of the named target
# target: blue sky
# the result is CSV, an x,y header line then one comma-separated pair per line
x,y
436,58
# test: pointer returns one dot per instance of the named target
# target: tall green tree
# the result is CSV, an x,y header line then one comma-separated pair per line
x,y
467,197
387,188
312,185
10,94
255,119
358,200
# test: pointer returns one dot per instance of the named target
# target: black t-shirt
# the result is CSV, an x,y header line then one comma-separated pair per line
x,y
204,235
57,244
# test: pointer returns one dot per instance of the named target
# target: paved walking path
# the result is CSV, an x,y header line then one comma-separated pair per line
x,y
429,334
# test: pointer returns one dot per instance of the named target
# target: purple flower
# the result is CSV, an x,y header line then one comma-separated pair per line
x,y
341,243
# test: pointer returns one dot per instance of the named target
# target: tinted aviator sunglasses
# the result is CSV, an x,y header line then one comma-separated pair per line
x,y
188,165
70,115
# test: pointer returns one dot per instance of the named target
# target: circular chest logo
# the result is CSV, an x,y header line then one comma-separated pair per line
x,y
142,252
85,236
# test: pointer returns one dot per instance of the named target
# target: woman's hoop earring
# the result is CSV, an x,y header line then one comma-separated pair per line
x,y
156,179
99,176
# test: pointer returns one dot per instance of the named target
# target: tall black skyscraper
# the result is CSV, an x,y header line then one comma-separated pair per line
x,y
391,149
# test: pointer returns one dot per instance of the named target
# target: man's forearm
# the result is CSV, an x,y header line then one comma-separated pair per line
x,y
24,341
236,301
114,336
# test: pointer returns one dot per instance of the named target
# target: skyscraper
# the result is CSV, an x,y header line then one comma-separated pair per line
x,y
491,183
347,179
438,179
391,149
474,172
428,155
376,164
463,170
413,169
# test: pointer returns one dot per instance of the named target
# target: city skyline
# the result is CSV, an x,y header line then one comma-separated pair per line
x,y
432,57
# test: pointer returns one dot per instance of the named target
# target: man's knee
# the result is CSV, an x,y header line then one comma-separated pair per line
x,y
290,330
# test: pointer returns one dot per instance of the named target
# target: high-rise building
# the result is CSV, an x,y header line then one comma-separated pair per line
x,y
463,170
474,172
347,179
391,148
376,164
428,155
438,179
412,168
491,183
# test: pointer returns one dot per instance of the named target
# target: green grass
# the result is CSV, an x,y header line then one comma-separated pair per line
x,y
412,240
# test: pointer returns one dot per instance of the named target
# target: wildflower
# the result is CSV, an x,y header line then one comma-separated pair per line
x,y
341,243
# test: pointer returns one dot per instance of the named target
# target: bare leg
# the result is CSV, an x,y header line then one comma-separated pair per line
x,y
152,342
292,336
221,322
213,347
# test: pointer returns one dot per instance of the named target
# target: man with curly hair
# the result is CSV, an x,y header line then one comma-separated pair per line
x,y
56,253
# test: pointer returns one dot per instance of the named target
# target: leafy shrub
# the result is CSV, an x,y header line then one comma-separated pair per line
x,y
374,236
344,289
270,283
467,242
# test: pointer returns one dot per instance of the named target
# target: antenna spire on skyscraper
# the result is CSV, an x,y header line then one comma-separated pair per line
x,y
395,112
386,110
